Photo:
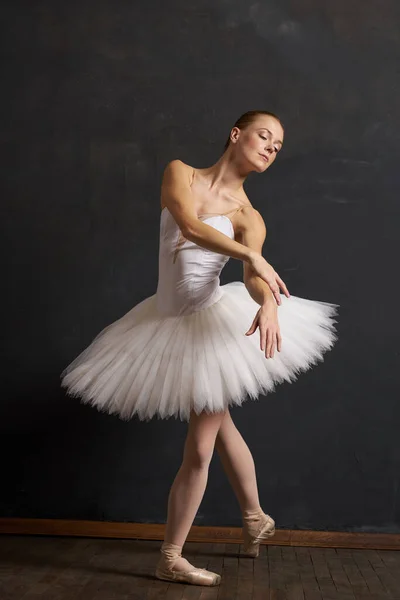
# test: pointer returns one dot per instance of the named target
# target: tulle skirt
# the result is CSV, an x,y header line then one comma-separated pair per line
x,y
149,365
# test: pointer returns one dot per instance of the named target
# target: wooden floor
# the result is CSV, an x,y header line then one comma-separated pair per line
x,y
61,568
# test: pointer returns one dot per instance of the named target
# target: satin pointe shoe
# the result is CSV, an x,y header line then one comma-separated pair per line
x,y
164,570
257,526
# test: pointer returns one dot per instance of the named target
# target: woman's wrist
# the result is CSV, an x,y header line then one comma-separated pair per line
x,y
250,255
269,303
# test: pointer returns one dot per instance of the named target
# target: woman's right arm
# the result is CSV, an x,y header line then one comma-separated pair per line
x,y
176,195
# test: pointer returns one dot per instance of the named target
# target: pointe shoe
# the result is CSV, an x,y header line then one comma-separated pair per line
x,y
257,526
169,555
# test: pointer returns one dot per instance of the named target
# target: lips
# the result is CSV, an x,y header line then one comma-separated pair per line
x,y
265,157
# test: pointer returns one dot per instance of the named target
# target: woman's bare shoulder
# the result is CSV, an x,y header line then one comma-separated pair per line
x,y
249,219
177,174
247,207
179,167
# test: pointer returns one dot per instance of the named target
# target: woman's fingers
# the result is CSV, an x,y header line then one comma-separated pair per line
x,y
278,297
271,344
253,326
262,337
282,285
278,341
265,334
270,337
275,290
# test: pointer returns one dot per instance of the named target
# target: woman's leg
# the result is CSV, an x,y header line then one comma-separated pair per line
x,y
238,464
190,482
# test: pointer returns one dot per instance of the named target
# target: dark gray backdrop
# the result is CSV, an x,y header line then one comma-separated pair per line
x,y
96,99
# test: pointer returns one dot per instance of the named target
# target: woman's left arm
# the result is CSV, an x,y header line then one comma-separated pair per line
x,y
252,233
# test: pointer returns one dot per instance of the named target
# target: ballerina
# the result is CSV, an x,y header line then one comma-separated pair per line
x,y
189,350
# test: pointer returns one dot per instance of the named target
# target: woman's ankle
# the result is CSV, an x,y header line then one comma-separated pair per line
x,y
170,550
253,513
172,560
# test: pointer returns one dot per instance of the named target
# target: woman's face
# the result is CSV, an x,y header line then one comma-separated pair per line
x,y
259,142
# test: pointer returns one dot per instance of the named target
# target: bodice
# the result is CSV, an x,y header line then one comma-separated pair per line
x,y
188,274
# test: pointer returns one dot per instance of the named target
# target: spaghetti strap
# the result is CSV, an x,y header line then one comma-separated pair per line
x,y
234,210
237,209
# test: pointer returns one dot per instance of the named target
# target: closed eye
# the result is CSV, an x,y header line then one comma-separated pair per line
x,y
275,148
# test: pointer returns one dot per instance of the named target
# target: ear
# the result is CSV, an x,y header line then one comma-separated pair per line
x,y
235,133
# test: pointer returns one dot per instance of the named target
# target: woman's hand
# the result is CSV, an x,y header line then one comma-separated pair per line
x,y
267,320
264,270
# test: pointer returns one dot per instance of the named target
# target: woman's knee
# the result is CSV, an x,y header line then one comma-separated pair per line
x,y
197,455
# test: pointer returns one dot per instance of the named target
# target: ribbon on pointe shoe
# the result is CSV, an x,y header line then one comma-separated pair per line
x,y
169,555
257,526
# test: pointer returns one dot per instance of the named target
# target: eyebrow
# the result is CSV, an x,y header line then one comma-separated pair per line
x,y
278,141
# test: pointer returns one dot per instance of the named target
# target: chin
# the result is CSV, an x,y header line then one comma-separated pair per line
x,y
260,168
257,164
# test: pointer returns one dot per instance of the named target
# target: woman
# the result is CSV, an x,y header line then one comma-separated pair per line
x,y
188,350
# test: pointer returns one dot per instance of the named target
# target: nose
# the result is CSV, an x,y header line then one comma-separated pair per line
x,y
269,147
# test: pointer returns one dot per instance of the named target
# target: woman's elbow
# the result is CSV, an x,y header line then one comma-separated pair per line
x,y
189,228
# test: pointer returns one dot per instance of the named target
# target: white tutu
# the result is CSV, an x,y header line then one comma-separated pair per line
x,y
149,365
